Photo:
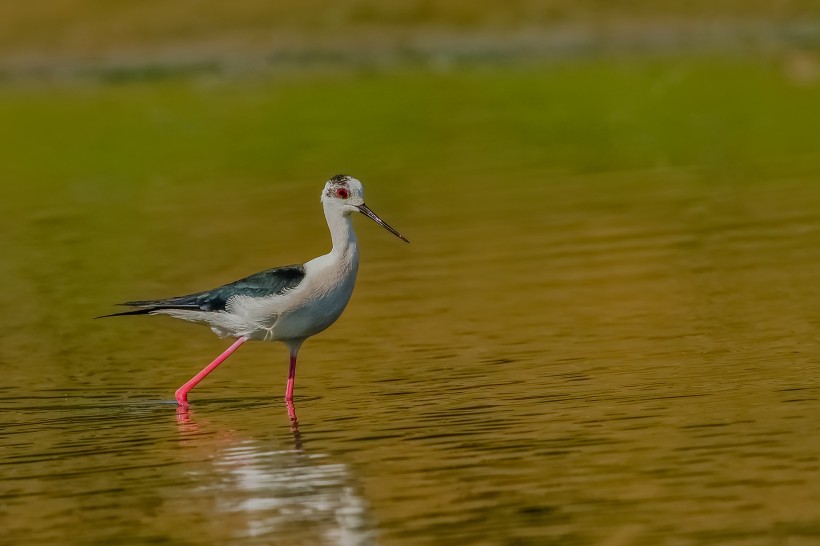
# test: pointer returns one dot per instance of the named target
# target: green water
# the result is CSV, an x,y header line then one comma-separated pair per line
x,y
604,331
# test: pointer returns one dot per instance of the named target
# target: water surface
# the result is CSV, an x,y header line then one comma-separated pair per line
x,y
562,356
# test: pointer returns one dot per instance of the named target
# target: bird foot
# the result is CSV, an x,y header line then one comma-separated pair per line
x,y
182,398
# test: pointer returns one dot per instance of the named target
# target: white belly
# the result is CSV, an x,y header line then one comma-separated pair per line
x,y
315,313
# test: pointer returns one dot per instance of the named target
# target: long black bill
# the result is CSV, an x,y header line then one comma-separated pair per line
x,y
364,209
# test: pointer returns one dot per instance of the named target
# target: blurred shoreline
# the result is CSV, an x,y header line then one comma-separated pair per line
x,y
437,48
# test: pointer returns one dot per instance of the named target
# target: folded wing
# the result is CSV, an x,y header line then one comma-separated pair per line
x,y
259,285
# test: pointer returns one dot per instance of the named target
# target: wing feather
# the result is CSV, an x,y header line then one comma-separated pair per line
x,y
259,285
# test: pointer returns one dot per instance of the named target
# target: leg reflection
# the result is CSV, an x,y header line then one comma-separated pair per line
x,y
184,419
294,422
183,415
238,470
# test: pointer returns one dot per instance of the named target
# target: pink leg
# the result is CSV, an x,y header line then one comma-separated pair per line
x,y
291,378
294,349
182,392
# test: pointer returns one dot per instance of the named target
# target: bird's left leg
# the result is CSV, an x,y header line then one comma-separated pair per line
x,y
182,392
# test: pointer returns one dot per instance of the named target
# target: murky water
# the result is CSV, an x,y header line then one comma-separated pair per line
x,y
608,359
587,354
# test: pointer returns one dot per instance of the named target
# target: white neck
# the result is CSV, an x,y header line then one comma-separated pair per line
x,y
344,240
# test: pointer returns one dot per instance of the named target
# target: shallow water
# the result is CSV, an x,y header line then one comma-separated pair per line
x,y
631,365
559,357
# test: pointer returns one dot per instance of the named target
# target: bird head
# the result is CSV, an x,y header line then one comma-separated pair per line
x,y
344,191
346,194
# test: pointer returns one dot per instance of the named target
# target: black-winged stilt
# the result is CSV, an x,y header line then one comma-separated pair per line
x,y
287,304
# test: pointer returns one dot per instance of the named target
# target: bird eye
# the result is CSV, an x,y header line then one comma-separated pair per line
x,y
342,193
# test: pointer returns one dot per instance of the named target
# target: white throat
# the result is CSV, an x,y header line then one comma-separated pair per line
x,y
345,244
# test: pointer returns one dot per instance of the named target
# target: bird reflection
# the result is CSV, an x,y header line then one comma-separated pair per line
x,y
294,422
294,425
184,420
273,491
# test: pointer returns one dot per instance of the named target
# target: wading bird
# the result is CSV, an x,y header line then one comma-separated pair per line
x,y
287,304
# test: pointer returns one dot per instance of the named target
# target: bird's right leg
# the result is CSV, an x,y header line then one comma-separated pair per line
x,y
293,346
182,393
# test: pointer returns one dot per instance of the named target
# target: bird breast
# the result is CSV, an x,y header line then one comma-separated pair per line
x,y
319,300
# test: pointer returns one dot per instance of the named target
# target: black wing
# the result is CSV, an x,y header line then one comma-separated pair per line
x,y
265,283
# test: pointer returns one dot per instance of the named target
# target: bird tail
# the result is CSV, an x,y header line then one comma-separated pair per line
x,y
147,307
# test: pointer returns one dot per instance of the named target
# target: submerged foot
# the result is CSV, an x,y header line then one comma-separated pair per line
x,y
182,398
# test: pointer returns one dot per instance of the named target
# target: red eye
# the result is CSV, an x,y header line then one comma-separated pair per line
x,y
342,193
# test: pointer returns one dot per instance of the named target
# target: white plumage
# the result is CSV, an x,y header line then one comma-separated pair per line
x,y
287,304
